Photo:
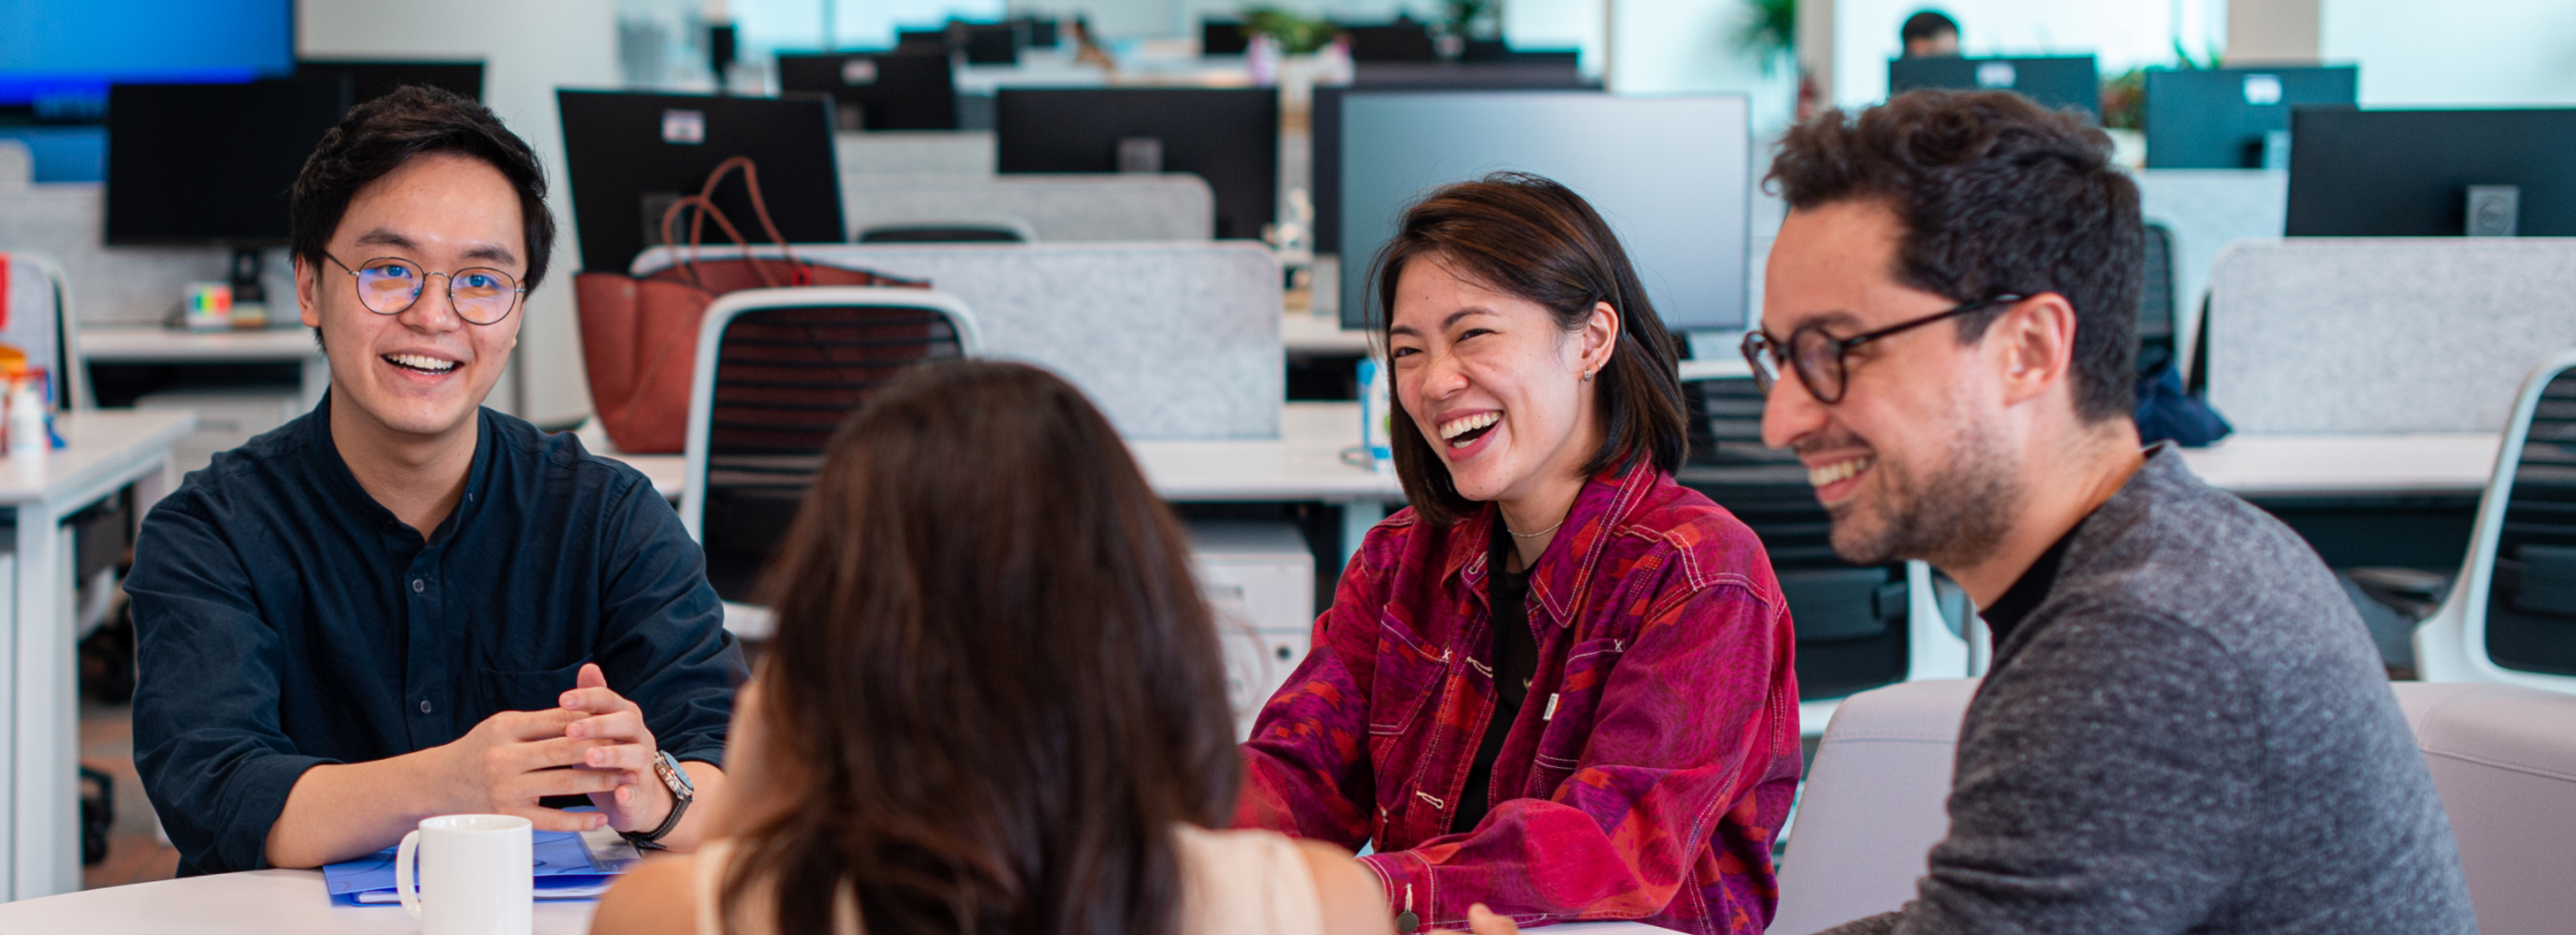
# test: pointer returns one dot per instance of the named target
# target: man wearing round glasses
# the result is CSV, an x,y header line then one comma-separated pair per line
x,y
403,604
2185,726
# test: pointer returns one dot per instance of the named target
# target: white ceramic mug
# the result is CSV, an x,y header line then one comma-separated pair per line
x,y
477,875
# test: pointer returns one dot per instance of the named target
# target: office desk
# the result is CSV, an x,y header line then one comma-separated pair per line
x,y
291,902
107,450
1303,464
2309,465
1315,334
150,344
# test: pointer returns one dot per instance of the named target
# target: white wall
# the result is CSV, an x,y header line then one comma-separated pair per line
x,y
2484,52
2122,34
528,50
1689,46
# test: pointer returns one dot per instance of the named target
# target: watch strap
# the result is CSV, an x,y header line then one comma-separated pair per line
x,y
667,769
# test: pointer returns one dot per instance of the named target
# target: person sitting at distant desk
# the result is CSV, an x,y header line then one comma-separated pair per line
x,y
1929,34
402,604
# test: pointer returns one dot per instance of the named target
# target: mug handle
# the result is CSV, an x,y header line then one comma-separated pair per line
x,y
403,858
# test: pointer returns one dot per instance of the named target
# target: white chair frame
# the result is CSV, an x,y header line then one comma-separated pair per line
x,y
2451,645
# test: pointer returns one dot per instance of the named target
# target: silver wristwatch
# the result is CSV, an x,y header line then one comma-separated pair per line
x,y
682,793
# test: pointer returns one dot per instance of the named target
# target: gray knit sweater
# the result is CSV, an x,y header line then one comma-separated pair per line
x,y
2189,731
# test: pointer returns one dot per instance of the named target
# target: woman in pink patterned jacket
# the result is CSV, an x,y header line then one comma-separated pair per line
x,y
1559,684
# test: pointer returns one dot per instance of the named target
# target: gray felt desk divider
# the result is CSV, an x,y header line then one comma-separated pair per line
x,y
2379,335
1061,208
1174,341
2207,209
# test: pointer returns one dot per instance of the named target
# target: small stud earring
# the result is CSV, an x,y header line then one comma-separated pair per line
x,y
1587,375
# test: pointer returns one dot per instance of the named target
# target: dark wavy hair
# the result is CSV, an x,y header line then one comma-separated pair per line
x,y
1529,237
994,682
1997,196
379,136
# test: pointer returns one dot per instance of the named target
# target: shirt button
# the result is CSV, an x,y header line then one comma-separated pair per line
x,y
424,706
418,585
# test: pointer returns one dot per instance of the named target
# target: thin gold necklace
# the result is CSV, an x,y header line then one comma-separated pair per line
x,y
1507,527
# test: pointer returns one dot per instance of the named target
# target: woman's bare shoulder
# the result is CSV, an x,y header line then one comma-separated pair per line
x,y
658,897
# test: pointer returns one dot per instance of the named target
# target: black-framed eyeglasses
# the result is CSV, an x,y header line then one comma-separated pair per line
x,y
480,294
1817,357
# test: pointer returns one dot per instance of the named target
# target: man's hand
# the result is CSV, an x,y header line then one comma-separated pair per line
x,y
512,759
639,801
1485,922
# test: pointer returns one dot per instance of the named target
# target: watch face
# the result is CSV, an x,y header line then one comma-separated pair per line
x,y
673,776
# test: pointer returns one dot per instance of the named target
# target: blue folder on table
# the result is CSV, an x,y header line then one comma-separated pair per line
x,y
565,868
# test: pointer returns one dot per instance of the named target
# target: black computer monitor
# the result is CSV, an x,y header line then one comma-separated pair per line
x,y
1228,136
1325,121
1671,174
1399,41
1223,37
204,164
923,40
2057,82
2228,118
373,79
1041,32
989,43
211,163
878,90
628,156
2409,173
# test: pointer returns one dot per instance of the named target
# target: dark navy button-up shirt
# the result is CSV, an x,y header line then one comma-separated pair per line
x,y
286,619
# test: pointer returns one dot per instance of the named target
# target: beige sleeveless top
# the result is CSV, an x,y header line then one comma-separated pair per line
x,y
1233,883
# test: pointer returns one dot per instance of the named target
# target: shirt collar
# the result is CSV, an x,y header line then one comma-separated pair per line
x,y
1563,575
324,455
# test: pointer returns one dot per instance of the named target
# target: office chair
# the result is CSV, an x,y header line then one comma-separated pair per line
x,y
1858,627
2156,303
2512,616
777,372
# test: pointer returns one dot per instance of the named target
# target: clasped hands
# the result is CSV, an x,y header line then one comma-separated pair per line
x,y
595,743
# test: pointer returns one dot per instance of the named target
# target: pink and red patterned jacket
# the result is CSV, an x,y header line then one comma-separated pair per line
x,y
1647,774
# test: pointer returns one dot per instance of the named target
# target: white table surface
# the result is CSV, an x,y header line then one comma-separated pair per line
x,y
106,450
1315,334
2257,465
1304,463
292,902
152,344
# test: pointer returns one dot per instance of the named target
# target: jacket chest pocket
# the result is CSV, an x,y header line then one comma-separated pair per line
x,y
1570,709
1407,673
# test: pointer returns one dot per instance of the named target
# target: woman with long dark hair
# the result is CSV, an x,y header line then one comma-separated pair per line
x,y
1559,684
994,703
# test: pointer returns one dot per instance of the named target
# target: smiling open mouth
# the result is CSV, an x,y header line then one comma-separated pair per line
x,y
1464,430
1827,474
420,364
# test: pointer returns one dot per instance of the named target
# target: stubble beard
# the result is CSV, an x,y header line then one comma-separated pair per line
x,y
1951,514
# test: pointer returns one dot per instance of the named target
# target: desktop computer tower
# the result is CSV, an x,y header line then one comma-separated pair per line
x,y
1259,578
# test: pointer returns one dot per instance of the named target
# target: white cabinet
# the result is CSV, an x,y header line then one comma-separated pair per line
x,y
1259,578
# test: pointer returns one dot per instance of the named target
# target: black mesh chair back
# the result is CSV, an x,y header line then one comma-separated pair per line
x,y
2156,303
2531,608
785,378
1849,618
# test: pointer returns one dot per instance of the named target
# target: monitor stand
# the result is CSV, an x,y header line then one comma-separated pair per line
x,y
250,299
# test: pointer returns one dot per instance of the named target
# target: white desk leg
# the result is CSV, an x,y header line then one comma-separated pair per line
x,y
1358,517
46,822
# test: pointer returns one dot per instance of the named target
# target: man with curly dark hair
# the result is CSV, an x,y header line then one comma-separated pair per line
x,y
2185,727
